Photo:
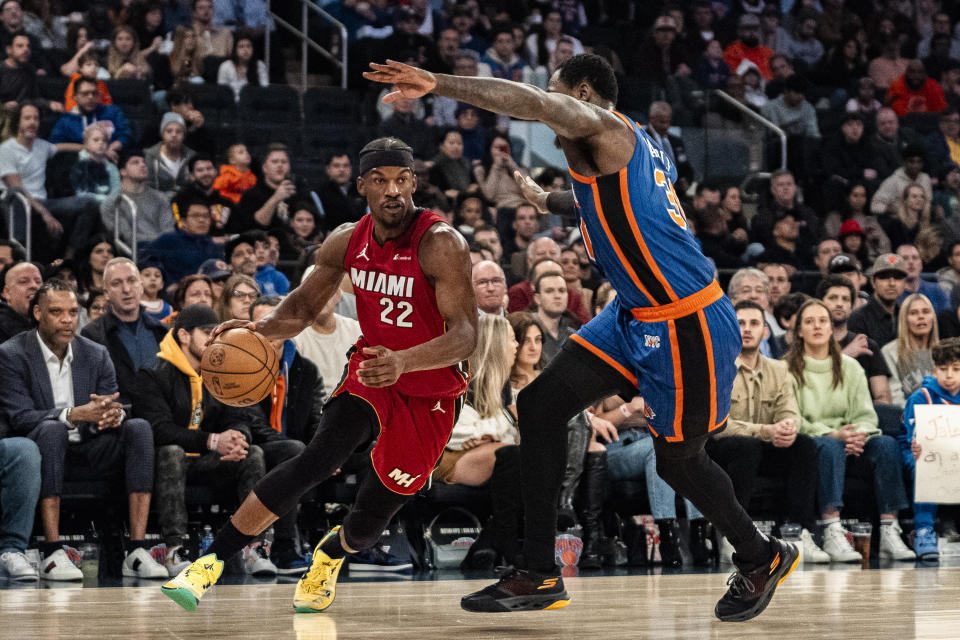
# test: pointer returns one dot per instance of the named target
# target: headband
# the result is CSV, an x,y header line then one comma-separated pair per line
x,y
386,158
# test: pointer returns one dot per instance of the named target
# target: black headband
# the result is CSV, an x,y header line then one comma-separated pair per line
x,y
386,158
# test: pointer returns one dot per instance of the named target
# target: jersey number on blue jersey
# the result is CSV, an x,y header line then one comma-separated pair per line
x,y
676,214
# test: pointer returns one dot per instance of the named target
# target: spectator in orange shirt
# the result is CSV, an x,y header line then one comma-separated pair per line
x,y
914,92
236,177
748,47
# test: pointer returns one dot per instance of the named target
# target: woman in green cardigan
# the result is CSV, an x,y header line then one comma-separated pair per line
x,y
837,412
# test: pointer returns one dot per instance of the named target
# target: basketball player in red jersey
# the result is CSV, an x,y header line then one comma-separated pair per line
x,y
670,335
403,384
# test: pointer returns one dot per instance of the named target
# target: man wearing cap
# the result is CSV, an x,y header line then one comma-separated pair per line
x,y
748,47
11,25
218,272
132,337
849,266
890,194
914,92
837,293
661,55
195,434
791,112
915,284
184,249
70,126
878,318
168,160
154,215
241,254
847,158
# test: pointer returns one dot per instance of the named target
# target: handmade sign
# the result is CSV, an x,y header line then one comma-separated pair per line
x,y
937,430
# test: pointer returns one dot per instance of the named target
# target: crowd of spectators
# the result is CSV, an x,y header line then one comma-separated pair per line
x,y
844,263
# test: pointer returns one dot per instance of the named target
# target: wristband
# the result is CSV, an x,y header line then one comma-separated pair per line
x,y
625,411
212,441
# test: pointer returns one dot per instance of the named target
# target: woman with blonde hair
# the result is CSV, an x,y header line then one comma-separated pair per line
x,y
908,357
124,58
911,217
239,293
185,64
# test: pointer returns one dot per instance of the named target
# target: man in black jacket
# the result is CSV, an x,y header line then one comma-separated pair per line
x,y
20,280
201,440
131,337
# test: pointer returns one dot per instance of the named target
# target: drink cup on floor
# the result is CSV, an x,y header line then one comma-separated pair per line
x,y
861,540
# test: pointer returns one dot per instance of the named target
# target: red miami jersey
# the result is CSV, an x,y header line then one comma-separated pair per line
x,y
397,305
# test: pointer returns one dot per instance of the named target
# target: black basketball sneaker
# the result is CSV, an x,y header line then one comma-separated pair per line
x,y
519,590
750,591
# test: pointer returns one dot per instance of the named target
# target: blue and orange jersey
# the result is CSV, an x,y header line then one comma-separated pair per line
x,y
634,228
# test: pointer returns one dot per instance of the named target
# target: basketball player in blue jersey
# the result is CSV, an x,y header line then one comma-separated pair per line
x,y
670,335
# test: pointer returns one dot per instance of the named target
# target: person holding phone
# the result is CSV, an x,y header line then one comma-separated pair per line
x,y
267,204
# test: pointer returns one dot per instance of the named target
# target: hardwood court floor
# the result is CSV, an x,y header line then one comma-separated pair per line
x,y
848,605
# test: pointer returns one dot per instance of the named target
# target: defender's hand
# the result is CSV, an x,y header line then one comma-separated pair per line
x,y
382,370
531,191
409,82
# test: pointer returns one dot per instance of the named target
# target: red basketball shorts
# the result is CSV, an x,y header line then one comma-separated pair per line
x,y
413,431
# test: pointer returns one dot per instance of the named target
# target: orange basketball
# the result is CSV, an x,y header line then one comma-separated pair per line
x,y
240,368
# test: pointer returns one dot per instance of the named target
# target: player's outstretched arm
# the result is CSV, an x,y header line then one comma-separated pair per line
x,y
301,306
567,116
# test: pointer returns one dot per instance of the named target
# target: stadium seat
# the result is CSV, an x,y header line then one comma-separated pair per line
x,y
275,104
331,104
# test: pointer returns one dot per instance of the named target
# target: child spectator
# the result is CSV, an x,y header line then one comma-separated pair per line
x,y
89,67
151,276
943,387
94,174
236,177
712,72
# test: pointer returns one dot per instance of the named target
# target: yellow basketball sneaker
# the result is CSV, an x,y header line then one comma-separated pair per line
x,y
194,581
318,587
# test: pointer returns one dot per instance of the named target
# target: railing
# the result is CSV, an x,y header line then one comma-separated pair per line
x,y
28,244
306,43
117,240
753,115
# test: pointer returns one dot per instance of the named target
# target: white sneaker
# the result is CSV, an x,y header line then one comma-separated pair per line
x,y
59,566
256,559
140,564
17,566
811,552
176,560
837,546
891,543
726,551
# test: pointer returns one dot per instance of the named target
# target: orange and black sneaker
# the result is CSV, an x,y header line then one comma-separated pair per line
x,y
750,591
519,590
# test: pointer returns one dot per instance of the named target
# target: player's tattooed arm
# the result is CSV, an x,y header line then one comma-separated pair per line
x,y
558,202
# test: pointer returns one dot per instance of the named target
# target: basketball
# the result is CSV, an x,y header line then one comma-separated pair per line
x,y
240,368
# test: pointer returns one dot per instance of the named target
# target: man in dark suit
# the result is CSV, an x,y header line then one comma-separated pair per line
x,y
60,391
132,338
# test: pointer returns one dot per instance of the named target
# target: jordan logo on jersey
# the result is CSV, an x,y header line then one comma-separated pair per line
x,y
437,407
363,253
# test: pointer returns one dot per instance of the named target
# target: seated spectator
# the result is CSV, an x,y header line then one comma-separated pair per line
x,y
888,196
661,118
802,44
543,255
131,336
949,276
267,204
23,169
889,65
786,247
70,127
908,357
405,123
167,161
211,39
940,388
217,272
712,72
911,217
473,131
551,297
60,391
946,200
93,260
853,240
761,435
189,245
151,279
241,254
186,420
154,215
465,63
88,66
753,83
487,237
124,58
889,142
451,171
180,101
791,112
194,289
939,25
185,65
242,68
18,78
202,173
660,56
235,177
238,295
865,102
271,281
878,318
837,294
490,287
541,43
304,228
20,486
854,208
716,241
915,284
748,47
21,281
500,60
783,188
847,158
943,145
78,43
779,278
93,173
914,92
339,197
754,285
835,410
939,59
96,305
495,175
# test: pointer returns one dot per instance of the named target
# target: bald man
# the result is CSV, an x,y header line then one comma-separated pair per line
x,y
490,287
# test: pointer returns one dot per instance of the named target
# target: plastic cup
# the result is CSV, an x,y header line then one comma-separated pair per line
x,y
90,561
862,531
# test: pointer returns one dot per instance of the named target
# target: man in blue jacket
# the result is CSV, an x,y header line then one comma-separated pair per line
x,y
70,127
184,249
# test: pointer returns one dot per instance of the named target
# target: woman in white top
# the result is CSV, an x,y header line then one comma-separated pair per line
x,y
908,357
236,72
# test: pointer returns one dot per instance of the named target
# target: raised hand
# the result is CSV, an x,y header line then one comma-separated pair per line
x,y
409,82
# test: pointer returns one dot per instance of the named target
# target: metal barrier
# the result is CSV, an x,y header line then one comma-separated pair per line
x,y
117,241
306,43
763,122
22,197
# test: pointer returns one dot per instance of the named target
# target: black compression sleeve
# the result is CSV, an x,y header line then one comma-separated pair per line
x,y
561,203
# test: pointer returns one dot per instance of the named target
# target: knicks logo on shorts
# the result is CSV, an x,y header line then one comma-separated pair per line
x,y
401,478
651,341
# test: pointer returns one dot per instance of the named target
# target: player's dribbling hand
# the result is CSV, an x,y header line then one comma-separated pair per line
x,y
409,82
382,370
226,326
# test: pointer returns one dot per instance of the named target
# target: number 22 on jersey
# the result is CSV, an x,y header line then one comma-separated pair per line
x,y
404,309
